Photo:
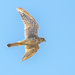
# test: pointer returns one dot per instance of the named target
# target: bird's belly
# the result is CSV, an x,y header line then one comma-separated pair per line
x,y
32,41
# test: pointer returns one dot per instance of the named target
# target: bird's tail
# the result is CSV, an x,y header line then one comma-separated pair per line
x,y
19,43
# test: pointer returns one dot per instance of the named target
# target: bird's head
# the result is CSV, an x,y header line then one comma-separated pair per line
x,y
42,39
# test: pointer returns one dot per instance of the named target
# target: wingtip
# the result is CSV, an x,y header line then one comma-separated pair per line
x,y
23,60
19,9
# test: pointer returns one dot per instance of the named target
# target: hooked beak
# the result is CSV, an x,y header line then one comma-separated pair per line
x,y
45,40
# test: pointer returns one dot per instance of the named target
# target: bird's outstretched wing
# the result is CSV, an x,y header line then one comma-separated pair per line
x,y
31,26
30,51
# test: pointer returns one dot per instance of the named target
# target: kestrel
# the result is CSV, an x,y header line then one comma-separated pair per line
x,y
32,40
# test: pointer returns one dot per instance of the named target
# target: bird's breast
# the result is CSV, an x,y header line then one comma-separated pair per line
x,y
32,41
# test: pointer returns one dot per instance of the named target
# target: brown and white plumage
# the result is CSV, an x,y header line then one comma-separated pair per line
x,y
31,34
31,26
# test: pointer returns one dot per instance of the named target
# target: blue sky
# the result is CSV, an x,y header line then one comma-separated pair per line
x,y
56,19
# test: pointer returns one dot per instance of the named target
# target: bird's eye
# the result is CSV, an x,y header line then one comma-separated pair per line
x,y
42,38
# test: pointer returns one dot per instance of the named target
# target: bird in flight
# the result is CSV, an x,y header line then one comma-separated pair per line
x,y
32,40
